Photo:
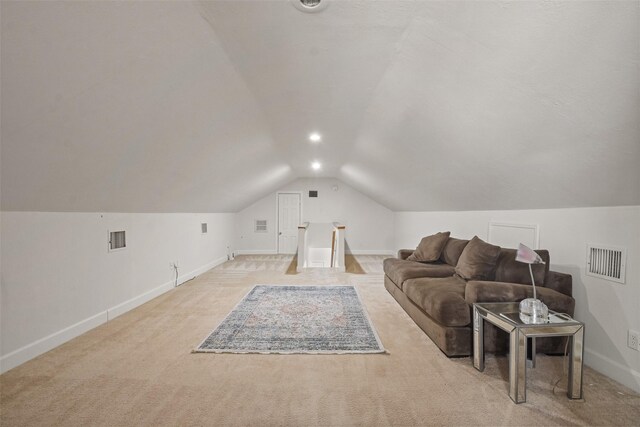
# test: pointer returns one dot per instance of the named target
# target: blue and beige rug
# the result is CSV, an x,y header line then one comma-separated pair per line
x,y
296,319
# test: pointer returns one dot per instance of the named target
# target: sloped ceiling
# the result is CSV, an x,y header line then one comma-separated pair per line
x,y
206,106
127,107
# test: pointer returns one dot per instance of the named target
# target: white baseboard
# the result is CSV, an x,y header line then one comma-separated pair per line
x,y
198,271
134,302
370,252
36,348
256,252
614,370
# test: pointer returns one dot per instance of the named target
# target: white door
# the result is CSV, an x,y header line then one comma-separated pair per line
x,y
288,221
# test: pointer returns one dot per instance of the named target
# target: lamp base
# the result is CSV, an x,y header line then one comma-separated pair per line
x,y
533,311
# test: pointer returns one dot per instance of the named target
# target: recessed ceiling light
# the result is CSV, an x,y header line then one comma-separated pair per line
x,y
316,166
310,6
315,137
310,3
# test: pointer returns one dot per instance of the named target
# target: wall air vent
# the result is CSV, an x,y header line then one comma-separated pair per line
x,y
313,193
606,262
117,240
203,227
261,226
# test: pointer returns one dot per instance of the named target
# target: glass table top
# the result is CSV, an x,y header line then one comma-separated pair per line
x,y
510,311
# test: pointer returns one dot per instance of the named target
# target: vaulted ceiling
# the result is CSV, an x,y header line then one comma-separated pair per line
x,y
206,106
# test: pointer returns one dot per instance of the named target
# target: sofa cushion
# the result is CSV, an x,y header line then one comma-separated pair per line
x,y
399,270
441,298
510,270
452,251
430,248
561,282
478,260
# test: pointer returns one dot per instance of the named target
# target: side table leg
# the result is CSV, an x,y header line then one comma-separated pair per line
x,y
533,352
478,340
517,366
576,354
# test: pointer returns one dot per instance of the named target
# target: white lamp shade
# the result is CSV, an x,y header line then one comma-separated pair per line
x,y
528,255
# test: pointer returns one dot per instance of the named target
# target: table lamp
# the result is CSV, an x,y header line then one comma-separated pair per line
x,y
531,309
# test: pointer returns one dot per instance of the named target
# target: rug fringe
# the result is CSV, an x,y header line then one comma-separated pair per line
x,y
383,351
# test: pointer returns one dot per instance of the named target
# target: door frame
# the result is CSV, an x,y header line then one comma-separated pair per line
x,y
300,193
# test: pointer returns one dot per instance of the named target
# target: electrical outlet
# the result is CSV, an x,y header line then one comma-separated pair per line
x,y
632,339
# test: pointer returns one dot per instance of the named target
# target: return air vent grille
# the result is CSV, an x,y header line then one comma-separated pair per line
x,y
606,262
117,240
261,226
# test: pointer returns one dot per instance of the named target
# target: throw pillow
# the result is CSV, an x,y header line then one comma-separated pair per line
x,y
478,260
452,251
430,248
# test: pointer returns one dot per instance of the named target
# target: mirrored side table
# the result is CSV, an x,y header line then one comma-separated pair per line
x,y
506,316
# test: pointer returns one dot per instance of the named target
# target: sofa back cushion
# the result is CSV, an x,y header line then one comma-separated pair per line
x,y
510,270
478,260
430,248
452,251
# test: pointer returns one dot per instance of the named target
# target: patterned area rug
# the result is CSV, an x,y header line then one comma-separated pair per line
x,y
296,319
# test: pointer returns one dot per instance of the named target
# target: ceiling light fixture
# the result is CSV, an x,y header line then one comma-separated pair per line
x,y
315,137
310,3
310,6
316,166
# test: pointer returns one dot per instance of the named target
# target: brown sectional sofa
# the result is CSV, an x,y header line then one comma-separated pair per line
x,y
440,302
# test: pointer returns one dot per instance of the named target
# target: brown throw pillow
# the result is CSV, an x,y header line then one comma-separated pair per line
x,y
478,260
452,250
430,248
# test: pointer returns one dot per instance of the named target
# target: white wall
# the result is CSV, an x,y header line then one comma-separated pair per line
x,y
608,309
369,224
59,280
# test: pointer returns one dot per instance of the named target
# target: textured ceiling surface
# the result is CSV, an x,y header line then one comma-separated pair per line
x,y
206,106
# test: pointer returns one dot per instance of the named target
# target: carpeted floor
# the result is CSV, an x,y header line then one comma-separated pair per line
x,y
139,370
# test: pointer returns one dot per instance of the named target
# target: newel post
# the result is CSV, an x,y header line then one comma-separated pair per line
x,y
302,245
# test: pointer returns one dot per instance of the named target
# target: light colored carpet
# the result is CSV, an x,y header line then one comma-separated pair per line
x,y
139,370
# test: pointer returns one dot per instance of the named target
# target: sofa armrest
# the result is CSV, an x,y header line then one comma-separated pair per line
x,y
404,253
560,282
487,291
